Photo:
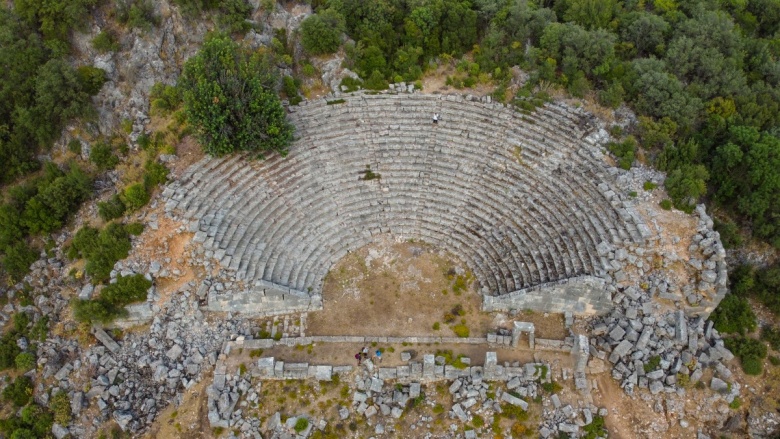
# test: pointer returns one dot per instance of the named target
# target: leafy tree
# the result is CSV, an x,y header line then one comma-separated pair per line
x,y
59,97
91,79
321,32
111,209
55,201
103,156
136,14
110,304
229,98
19,392
101,249
591,14
55,18
734,316
25,361
135,196
165,98
750,352
105,42
646,31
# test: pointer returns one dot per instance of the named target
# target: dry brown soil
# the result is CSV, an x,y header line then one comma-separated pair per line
x,y
403,288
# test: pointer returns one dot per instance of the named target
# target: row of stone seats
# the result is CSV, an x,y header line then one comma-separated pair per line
x,y
514,195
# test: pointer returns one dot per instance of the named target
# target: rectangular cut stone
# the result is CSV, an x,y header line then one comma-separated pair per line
x,y
514,400
265,366
620,350
387,373
414,390
429,366
323,373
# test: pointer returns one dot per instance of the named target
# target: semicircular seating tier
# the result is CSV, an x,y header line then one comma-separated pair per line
x,y
522,199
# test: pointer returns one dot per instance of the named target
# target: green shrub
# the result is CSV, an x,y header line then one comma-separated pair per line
x,y
478,421
729,233
734,315
19,392
105,42
155,174
652,364
102,155
595,429
74,146
111,209
164,98
60,405
233,16
624,151
666,204
649,185
771,336
735,404
110,304
102,249
436,326
8,350
774,360
91,79
301,424
25,361
32,422
135,196
136,14
58,196
290,88
134,229
321,32
461,330
749,351
376,81
552,387
351,84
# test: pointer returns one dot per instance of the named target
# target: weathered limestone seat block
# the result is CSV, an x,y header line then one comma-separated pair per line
x,y
523,199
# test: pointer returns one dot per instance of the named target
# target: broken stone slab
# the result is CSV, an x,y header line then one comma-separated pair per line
x,y
511,399
620,350
455,386
719,385
107,341
458,410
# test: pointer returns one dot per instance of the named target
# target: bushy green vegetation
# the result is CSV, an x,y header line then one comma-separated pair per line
x,y
625,151
105,42
164,98
229,97
136,14
19,392
750,352
762,284
321,33
39,91
734,316
10,354
31,422
231,15
40,205
111,209
772,336
101,248
102,155
112,299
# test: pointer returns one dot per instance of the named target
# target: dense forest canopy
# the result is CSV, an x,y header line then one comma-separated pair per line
x,y
702,75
